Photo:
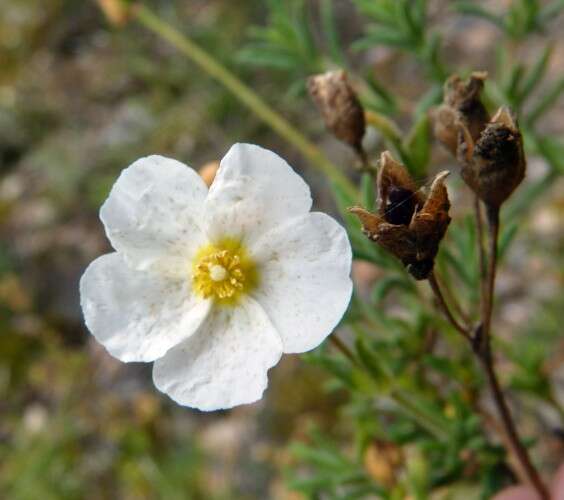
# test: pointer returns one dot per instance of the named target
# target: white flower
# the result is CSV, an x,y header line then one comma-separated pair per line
x,y
215,285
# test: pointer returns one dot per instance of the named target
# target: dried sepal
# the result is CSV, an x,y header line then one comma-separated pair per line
x,y
412,234
431,222
339,106
494,165
370,222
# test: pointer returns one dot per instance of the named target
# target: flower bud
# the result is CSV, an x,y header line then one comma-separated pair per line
x,y
116,11
408,224
339,106
207,172
495,165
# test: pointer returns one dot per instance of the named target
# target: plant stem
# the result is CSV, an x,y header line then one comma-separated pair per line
x,y
245,94
481,250
343,348
451,299
444,306
481,344
488,287
486,359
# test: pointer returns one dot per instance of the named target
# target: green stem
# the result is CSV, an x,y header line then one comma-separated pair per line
x,y
245,94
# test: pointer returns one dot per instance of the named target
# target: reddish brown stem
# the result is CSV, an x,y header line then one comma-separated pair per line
x,y
481,344
481,249
342,347
444,306
513,441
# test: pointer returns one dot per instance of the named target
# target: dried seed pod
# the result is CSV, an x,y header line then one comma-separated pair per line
x,y
445,122
495,165
461,107
464,97
398,194
339,106
408,224
431,222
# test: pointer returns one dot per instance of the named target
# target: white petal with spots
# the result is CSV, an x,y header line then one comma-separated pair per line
x,y
305,284
224,363
137,315
153,213
254,190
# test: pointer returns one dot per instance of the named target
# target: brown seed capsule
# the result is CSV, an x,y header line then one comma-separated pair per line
x,y
339,106
445,122
408,224
461,107
495,165
464,97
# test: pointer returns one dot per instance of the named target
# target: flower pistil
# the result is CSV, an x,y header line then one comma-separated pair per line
x,y
223,271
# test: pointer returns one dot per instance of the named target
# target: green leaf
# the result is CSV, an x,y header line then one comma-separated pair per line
x,y
507,236
387,284
552,150
550,11
535,74
418,146
370,361
368,191
511,86
431,98
330,30
547,100
388,37
473,9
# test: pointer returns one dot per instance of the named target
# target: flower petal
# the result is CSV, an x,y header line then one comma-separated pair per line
x,y
305,284
224,363
137,315
253,191
154,210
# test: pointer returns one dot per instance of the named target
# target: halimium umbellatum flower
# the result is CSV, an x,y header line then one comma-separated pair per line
x,y
214,285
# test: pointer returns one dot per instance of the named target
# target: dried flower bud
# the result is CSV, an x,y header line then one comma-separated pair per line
x,y
207,172
445,126
340,107
495,165
464,97
462,107
116,11
382,461
408,224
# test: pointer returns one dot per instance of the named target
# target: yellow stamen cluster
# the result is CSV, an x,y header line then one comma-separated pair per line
x,y
223,272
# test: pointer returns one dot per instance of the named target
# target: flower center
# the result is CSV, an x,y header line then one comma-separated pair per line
x,y
223,271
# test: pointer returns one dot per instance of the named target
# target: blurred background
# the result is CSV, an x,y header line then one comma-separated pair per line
x,y
80,100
